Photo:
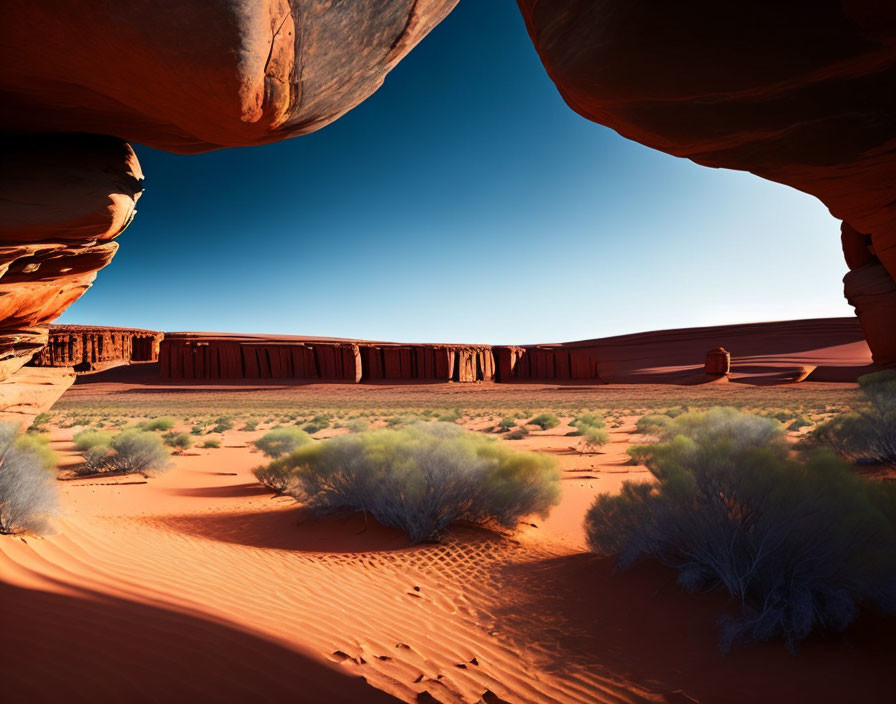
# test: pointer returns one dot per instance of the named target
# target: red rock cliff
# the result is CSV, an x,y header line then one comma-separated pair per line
x,y
88,348
799,93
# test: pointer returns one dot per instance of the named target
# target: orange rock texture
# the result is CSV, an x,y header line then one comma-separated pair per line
x,y
194,75
64,200
798,93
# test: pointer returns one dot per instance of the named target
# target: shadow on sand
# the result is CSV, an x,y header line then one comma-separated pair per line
x,y
90,647
639,626
292,528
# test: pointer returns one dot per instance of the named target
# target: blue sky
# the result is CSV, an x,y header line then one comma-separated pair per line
x,y
463,202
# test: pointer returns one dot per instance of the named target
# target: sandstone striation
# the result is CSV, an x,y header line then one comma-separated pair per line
x,y
190,76
796,94
88,348
231,356
64,200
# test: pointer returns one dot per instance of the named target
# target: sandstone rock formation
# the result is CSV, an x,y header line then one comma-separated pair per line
x,y
184,76
86,348
64,200
799,93
718,362
383,361
193,75
198,356
824,349
31,391
544,362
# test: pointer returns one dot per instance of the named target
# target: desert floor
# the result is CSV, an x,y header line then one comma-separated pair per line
x,y
199,585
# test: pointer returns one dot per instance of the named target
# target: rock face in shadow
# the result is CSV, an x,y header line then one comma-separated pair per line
x,y
193,75
231,356
87,349
546,362
63,200
798,93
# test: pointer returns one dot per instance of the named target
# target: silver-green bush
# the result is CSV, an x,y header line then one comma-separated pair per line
x,y
132,451
281,441
869,434
800,543
28,495
421,478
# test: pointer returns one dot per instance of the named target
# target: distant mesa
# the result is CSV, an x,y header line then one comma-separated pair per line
x,y
826,349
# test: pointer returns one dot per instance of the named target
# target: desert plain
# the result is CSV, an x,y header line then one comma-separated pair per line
x,y
202,583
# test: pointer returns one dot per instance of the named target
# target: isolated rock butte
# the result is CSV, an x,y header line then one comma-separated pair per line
x,y
803,94
88,348
194,75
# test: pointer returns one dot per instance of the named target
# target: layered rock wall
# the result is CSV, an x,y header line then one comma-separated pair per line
x,y
186,356
545,362
86,348
427,362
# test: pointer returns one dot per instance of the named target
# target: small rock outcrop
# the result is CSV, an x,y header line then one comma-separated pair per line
x,y
718,362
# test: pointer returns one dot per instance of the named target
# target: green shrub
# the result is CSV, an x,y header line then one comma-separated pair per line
x,y
798,543
506,424
199,428
545,421
279,475
222,424
588,420
451,416
652,424
40,420
131,451
91,438
39,446
250,425
138,452
356,425
179,441
594,437
28,494
422,478
161,423
517,433
869,434
211,444
281,441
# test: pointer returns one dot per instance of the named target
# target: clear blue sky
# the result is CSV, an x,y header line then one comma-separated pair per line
x,y
463,202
